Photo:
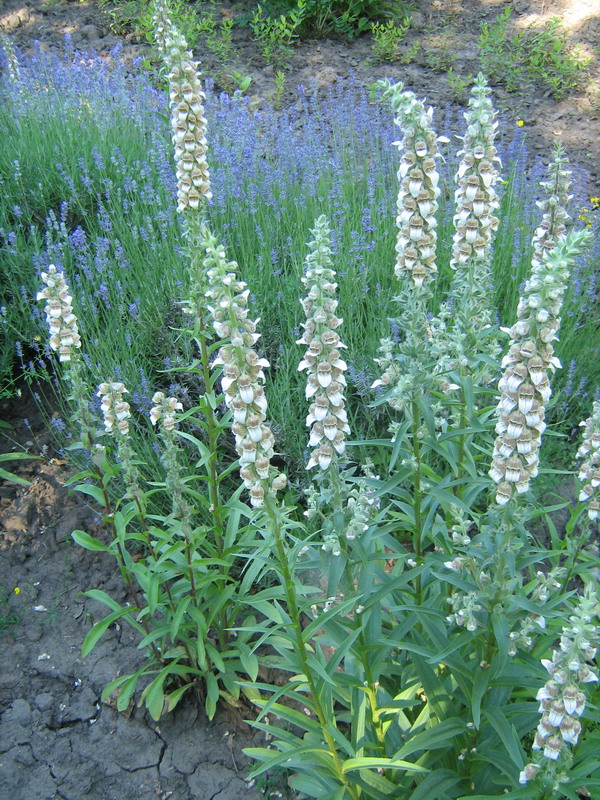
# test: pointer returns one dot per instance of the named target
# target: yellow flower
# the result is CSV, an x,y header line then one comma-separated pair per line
x,y
520,123
16,590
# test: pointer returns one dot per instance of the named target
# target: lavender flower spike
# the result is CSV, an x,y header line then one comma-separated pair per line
x,y
243,377
322,361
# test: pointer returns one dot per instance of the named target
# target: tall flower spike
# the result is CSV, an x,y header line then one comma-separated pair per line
x,y
163,27
12,62
524,387
243,377
562,698
467,319
64,333
322,360
476,200
589,453
188,122
418,178
115,410
554,206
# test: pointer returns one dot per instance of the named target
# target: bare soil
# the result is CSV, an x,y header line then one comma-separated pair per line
x,y
57,740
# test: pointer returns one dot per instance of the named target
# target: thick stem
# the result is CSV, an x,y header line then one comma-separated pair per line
x,y
299,644
122,562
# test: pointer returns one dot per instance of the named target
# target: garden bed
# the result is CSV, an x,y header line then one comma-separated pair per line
x,y
58,740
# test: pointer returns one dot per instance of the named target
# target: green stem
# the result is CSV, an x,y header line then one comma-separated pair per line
x,y
300,646
417,493
122,563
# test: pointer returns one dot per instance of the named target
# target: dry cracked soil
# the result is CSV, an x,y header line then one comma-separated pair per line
x,y
57,739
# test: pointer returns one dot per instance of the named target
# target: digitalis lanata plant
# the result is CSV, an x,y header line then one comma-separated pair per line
x,y
243,377
467,318
325,367
589,469
188,123
563,697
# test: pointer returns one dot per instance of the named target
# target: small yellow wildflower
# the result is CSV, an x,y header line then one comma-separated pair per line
x,y
595,201
520,123
16,590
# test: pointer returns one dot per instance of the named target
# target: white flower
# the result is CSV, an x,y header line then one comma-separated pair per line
x,y
62,322
114,408
322,361
242,373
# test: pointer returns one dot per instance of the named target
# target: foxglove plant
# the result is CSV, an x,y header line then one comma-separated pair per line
x,y
66,341
64,331
525,386
563,696
242,376
12,62
188,123
163,26
589,469
408,367
325,367
467,318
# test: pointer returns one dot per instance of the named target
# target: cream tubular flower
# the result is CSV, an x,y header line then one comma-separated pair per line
x,y
553,205
188,122
589,470
12,63
418,193
322,361
164,409
163,27
475,219
243,377
115,410
562,698
525,386
62,322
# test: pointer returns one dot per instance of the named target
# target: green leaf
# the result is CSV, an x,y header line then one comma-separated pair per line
x,y
178,616
84,539
250,663
126,692
480,684
380,763
432,738
154,696
174,697
507,735
212,695
92,491
5,475
98,630
435,785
